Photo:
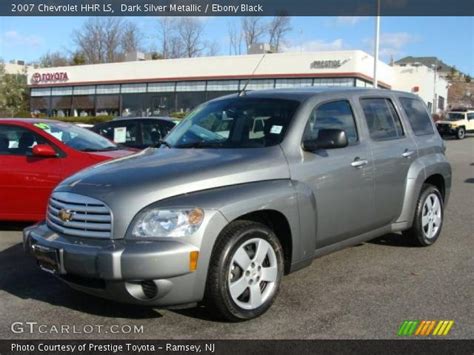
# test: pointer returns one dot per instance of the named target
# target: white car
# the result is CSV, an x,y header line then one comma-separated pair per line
x,y
457,124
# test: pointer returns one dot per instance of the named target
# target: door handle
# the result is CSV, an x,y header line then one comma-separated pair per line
x,y
408,153
359,163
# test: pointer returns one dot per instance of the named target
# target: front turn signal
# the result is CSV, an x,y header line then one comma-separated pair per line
x,y
193,260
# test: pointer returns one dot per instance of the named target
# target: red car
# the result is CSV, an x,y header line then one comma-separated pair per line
x,y
35,155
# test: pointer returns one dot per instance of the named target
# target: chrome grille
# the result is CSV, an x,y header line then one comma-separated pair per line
x,y
89,217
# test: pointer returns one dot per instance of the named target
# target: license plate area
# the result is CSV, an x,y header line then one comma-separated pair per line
x,y
47,258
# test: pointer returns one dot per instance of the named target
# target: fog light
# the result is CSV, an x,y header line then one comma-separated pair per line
x,y
193,260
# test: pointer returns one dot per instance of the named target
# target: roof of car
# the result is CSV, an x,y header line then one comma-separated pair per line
x,y
28,120
301,94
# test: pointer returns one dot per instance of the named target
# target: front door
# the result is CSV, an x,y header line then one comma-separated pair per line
x,y
26,181
341,179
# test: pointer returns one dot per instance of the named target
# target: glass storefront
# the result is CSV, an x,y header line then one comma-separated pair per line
x,y
156,99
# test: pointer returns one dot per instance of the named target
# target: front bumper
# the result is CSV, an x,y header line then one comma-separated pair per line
x,y
131,271
446,130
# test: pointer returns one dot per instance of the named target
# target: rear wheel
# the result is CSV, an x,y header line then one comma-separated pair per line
x,y
245,271
428,217
461,133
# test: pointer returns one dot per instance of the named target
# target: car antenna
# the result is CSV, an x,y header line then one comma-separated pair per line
x,y
243,92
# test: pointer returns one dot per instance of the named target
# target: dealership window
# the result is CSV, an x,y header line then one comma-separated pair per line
x,y
293,83
136,105
40,92
107,105
163,104
84,90
441,103
61,106
133,88
258,84
223,85
215,94
333,82
186,101
40,105
83,105
187,86
162,87
61,91
108,89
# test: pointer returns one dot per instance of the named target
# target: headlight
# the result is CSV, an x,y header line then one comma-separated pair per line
x,y
157,222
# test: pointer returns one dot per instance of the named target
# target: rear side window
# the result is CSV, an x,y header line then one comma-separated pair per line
x,y
417,115
382,119
18,140
336,114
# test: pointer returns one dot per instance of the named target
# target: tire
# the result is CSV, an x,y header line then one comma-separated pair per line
x,y
461,133
245,271
429,216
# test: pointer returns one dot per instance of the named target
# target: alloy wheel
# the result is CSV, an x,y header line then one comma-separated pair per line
x,y
431,216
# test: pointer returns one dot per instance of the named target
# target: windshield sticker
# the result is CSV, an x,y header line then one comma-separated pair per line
x,y
276,129
42,125
120,134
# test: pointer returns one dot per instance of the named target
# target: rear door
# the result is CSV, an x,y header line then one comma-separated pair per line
x,y
392,151
25,181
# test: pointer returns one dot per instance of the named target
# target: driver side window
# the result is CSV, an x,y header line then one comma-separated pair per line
x,y
335,115
18,140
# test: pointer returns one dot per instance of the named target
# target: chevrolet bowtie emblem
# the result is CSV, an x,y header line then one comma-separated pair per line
x,y
65,215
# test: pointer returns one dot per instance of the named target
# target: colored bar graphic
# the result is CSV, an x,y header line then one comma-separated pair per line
x,y
425,327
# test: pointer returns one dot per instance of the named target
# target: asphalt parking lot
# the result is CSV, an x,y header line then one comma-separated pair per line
x,y
361,292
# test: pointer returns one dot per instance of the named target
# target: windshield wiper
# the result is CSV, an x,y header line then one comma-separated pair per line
x,y
99,150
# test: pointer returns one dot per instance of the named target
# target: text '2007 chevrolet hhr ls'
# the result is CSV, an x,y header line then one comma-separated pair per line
x,y
247,188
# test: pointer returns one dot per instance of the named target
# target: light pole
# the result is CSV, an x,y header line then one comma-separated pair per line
x,y
434,66
377,42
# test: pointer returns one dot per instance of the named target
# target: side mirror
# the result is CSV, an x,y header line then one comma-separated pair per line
x,y
44,151
329,138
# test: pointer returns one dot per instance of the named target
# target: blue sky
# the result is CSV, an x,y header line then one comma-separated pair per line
x,y
449,38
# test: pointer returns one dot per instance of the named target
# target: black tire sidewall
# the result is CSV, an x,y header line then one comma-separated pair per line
x,y
253,230
420,235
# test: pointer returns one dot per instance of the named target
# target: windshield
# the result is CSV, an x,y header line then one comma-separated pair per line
x,y
76,137
238,122
455,116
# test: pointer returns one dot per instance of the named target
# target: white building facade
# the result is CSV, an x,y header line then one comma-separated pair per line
x,y
160,87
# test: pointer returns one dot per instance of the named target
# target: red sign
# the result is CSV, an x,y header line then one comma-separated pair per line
x,y
37,78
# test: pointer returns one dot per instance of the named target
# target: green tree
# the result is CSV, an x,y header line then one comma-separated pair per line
x,y
13,92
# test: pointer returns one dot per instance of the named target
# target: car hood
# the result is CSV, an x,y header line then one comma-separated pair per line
x,y
131,183
447,122
110,154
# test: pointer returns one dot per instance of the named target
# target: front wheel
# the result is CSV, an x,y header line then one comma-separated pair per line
x,y
245,271
429,216
461,133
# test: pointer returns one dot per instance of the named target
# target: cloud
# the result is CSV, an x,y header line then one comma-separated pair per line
x,y
317,45
14,38
392,44
348,20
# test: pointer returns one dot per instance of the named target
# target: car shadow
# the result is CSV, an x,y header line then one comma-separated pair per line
x,y
14,226
22,278
393,240
469,181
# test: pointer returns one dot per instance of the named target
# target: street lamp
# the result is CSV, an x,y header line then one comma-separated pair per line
x,y
377,41
435,69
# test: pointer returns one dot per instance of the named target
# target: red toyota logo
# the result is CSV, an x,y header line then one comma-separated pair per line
x,y
36,78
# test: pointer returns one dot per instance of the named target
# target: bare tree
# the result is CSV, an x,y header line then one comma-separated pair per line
x,y
190,32
53,59
105,40
235,39
131,38
278,28
166,36
253,30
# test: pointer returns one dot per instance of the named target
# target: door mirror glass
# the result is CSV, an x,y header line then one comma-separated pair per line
x,y
329,138
44,150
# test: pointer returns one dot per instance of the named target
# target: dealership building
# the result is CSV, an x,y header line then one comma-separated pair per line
x,y
159,87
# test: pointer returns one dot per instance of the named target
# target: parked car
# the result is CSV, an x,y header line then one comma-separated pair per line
x,y
136,132
457,124
36,154
219,216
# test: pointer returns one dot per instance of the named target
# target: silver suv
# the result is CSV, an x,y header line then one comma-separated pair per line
x,y
246,189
